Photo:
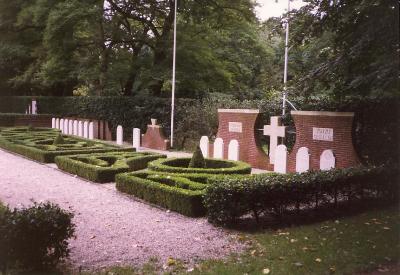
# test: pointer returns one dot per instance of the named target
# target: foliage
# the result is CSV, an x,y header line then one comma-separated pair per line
x,y
102,167
59,140
229,199
35,238
197,160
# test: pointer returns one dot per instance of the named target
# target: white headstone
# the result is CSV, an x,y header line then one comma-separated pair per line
x,y
327,160
86,129
280,165
53,123
91,130
302,160
34,107
218,148
70,127
120,135
62,125
57,123
204,143
274,131
233,150
80,128
75,131
136,138
29,109
66,123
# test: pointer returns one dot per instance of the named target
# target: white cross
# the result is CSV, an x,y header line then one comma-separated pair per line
x,y
274,131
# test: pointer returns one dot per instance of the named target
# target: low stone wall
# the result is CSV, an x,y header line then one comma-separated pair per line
x,y
12,120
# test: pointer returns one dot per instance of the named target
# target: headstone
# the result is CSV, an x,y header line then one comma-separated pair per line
x,y
62,125
233,150
53,123
280,165
70,127
219,148
204,143
120,135
302,160
57,123
274,131
75,131
66,123
136,138
86,129
327,160
91,130
34,107
80,128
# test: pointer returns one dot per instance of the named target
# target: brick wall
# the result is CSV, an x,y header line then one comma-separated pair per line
x,y
342,145
154,138
9,120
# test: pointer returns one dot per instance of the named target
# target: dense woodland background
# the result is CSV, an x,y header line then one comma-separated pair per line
x,y
344,55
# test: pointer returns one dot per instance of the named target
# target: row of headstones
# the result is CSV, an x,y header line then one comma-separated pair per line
x,y
81,128
326,160
135,136
218,148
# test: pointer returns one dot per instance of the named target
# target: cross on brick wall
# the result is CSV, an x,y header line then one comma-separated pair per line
x,y
274,131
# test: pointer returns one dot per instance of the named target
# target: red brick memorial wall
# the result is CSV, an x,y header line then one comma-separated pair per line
x,y
319,131
240,124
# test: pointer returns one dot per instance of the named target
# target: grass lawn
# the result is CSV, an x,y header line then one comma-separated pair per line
x,y
343,246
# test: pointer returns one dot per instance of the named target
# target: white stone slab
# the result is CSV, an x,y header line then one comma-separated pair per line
x,y
66,123
75,131
120,135
324,134
280,165
235,127
70,127
204,146
62,125
91,130
233,150
53,123
34,107
86,129
274,131
57,123
80,128
136,138
302,160
327,160
218,148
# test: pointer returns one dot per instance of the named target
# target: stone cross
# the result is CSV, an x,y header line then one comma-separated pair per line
x,y
274,131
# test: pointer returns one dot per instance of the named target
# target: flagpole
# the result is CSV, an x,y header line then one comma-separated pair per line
x,y
286,62
173,77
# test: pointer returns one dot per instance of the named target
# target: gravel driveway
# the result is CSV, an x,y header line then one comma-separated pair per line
x,y
111,228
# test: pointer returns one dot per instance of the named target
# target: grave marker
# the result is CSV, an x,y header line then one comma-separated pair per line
x,y
120,135
274,131
327,160
70,127
204,144
219,148
80,128
75,131
233,150
91,130
86,129
136,138
280,165
302,160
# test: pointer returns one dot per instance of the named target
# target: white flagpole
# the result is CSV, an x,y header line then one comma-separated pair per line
x,y
286,63
173,77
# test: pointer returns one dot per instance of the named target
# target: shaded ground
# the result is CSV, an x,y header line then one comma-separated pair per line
x,y
112,228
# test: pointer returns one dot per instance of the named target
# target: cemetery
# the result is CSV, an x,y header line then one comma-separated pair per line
x,y
199,137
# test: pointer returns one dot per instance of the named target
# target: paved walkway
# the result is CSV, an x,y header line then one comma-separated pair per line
x,y
111,228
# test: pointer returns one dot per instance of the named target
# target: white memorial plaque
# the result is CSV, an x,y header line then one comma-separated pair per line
x,y
325,134
235,127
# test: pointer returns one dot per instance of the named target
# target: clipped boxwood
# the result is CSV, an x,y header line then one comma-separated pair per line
x,y
213,166
102,167
38,144
228,199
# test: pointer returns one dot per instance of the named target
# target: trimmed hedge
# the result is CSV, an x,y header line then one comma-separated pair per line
x,y
38,144
102,167
228,199
213,166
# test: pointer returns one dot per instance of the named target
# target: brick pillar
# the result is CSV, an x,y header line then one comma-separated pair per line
x,y
239,124
319,131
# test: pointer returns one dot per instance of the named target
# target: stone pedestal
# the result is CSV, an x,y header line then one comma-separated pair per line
x,y
320,131
154,138
239,124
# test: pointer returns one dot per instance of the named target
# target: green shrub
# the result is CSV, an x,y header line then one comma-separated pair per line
x,y
34,238
102,167
214,166
197,160
59,140
228,199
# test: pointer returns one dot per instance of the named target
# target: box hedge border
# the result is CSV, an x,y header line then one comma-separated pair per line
x,y
100,174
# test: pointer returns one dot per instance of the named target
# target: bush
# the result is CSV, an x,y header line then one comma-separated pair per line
x,y
197,160
228,199
34,238
214,166
58,140
102,167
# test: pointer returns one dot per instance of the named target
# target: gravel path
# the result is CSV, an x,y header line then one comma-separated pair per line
x,y
112,228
